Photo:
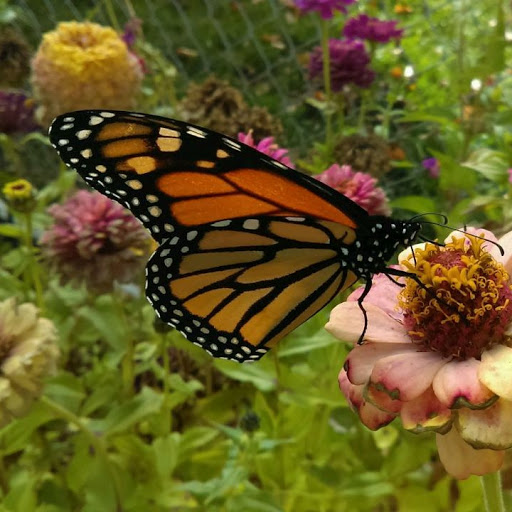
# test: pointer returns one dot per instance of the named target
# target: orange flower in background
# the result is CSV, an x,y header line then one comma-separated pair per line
x,y
81,66
440,365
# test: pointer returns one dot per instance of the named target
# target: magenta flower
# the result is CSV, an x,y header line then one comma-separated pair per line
x,y
432,166
438,366
267,146
16,113
372,29
325,8
358,186
95,240
349,64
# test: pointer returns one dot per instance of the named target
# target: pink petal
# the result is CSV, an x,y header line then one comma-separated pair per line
x,y
369,415
381,399
361,359
495,370
457,384
487,428
506,242
383,294
406,376
462,461
347,324
426,413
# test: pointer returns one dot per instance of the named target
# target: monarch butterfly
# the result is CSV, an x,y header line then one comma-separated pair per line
x,y
249,249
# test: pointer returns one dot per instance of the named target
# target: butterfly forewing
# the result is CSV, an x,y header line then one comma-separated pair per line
x,y
171,174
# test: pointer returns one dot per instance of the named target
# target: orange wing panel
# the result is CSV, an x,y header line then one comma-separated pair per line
x,y
189,184
287,194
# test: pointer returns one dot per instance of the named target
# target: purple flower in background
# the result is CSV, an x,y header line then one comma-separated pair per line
x,y
510,175
324,7
16,113
267,146
373,29
349,63
132,31
432,166
360,187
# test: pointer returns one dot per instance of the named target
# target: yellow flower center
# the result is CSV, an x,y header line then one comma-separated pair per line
x,y
17,189
464,303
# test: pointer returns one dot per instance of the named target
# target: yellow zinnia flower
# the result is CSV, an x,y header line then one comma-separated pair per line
x,y
82,66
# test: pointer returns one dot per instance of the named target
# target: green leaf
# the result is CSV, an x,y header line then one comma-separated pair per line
x,y
257,374
22,492
16,435
11,230
490,163
124,416
99,491
419,204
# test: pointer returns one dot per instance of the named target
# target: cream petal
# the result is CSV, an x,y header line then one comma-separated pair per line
x,y
407,254
426,413
506,242
495,370
347,324
406,376
369,415
362,358
457,384
462,461
487,428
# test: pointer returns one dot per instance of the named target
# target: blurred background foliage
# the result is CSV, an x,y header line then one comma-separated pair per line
x,y
137,418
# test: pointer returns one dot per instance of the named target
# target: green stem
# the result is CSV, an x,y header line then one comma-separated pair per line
x,y
327,85
32,264
97,442
112,15
492,492
166,387
3,477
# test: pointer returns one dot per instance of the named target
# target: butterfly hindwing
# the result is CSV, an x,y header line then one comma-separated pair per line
x,y
171,174
238,286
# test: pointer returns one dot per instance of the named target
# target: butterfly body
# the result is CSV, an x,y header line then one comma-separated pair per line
x,y
249,248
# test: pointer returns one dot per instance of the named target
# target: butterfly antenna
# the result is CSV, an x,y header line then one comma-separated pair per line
x,y
445,225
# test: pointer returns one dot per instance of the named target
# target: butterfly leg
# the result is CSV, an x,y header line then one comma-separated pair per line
x,y
367,288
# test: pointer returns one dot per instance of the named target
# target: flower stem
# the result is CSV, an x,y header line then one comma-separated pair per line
x,y
492,492
166,387
32,263
97,442
327,85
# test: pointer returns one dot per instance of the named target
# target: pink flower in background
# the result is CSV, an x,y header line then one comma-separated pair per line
x,y
95,240
267,146
432,166
510,175
349,63
325,8
358,186
441,367
372,29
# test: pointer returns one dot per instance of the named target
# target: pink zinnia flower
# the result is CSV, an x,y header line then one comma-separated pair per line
x,y
95,240
439,366
325,8
358,186
372,29
349,63
267,146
